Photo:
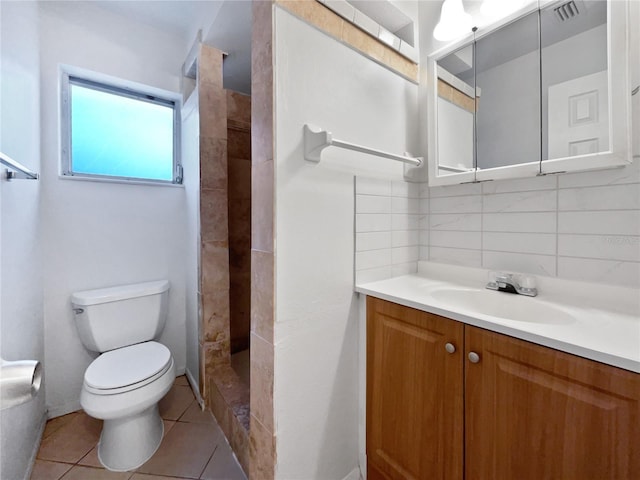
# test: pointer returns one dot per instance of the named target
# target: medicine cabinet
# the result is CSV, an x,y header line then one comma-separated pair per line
x,y
543,91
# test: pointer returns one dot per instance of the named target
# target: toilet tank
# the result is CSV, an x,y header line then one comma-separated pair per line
x,y
115,317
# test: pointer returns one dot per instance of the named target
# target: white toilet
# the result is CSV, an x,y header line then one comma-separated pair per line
x,y
125,383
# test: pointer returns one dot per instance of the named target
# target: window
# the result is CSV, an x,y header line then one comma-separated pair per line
x,y
119,133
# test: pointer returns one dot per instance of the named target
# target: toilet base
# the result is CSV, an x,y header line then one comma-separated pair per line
x,y
127,443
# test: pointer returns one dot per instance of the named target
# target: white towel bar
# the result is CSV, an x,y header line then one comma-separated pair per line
x,y
316,140
19,170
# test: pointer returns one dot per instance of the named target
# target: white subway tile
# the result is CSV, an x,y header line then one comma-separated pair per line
x,y
373,274
456,256
424,205
405,238
405,189
618,197
539,243
519,262
372,241
614,176
468,240
366,23
424,253
464,221
403,221
405,205
548,182
404,269
373,259
373,204
620,222
606,247
544,222
456,190
533,201
404,255
373,222
424,237
610,272
465,204
423,190
372,186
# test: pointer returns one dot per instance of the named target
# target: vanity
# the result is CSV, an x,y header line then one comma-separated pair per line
x,y
466,382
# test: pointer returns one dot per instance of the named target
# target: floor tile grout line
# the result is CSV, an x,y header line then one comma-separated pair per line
x,y
209,460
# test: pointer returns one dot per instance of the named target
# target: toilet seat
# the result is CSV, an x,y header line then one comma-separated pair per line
x,y
127,368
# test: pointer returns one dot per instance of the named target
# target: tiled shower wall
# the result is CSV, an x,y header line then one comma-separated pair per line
x,y
581,226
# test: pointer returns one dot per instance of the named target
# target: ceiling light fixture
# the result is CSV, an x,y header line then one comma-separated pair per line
x,y
454,21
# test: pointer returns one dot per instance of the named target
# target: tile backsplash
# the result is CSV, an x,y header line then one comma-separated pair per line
x,y
581,226
388,223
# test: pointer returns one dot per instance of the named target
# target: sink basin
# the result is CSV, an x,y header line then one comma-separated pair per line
x,y
503,305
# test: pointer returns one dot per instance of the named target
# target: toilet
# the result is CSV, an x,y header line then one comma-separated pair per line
x,y
125,383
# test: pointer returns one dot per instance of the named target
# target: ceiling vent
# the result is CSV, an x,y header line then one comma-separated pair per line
x,y
567,11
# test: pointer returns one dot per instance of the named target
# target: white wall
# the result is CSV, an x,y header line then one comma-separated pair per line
x,y
321,81
101,234
21,312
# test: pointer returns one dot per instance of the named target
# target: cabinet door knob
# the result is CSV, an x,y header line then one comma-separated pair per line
x,y
450,347
474,357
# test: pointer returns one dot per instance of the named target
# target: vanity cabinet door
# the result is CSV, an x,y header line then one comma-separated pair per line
x,y
414,394
535,413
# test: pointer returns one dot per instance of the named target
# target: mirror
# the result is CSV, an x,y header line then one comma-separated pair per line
x,y
456,112
532,95
508,75
575,91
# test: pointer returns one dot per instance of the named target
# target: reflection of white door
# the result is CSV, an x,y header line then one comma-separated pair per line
x,y
579,116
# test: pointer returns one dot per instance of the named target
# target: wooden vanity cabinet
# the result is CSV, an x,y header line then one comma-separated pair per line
x,y
530,412
414,394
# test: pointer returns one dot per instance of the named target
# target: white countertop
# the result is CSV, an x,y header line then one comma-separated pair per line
x,y
607,318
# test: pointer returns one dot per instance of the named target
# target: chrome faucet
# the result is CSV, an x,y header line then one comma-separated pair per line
x,y
512,283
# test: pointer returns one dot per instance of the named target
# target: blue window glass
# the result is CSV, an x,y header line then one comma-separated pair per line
x,y
120,134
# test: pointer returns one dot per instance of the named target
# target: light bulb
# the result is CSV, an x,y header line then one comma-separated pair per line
x,y
454,21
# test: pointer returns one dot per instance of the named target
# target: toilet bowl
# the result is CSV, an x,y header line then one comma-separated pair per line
x,y
123,388
125,383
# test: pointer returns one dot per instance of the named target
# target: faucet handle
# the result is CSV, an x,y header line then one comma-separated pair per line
x,y
528,281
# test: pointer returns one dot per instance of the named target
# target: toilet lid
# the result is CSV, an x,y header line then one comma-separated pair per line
x,y
127,365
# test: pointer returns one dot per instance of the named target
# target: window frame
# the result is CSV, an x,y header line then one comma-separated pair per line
x,y
75,76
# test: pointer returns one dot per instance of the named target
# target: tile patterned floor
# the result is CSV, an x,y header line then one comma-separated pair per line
x,y
193,446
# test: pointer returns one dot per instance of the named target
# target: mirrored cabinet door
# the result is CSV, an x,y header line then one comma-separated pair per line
x,y
456,106
575,83
508,86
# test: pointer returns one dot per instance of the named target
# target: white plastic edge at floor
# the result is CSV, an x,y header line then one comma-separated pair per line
x,y
607,326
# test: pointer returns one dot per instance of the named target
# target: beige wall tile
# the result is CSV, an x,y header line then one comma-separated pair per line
x,y
400,64
213,163
262,448
316,14
262,198
239,143
213,112
215,316
262,294
216,354
364,42
239,108
210,66
214,215
262,381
